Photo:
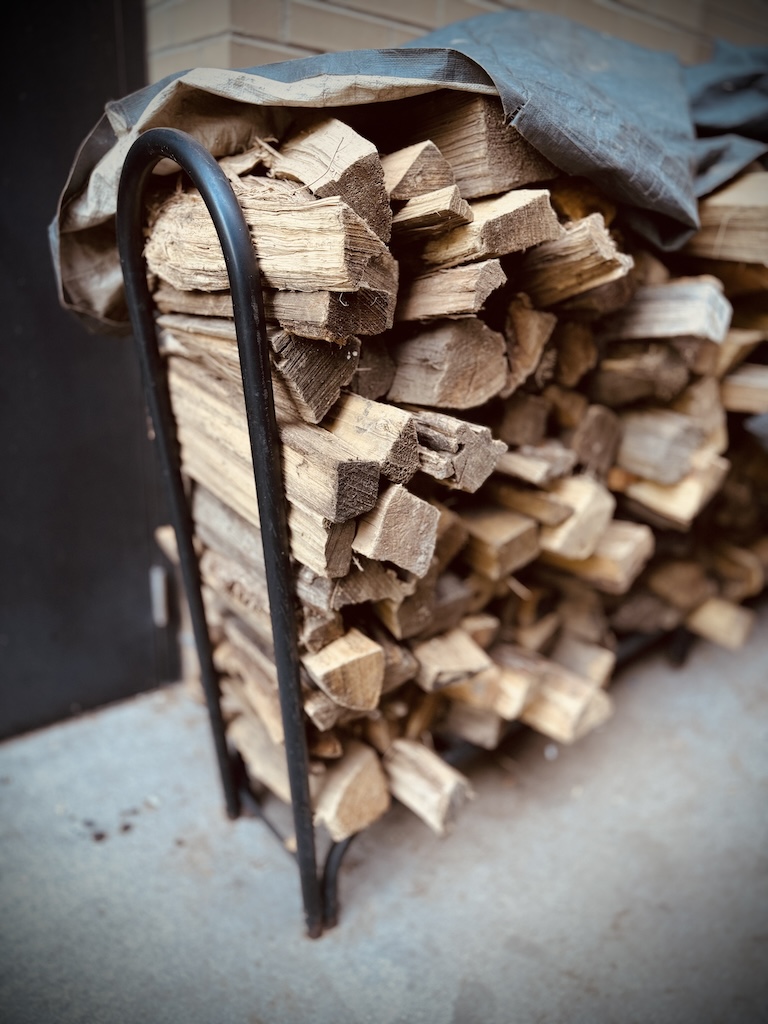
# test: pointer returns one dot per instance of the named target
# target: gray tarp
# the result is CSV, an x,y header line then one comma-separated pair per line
x,y
619,114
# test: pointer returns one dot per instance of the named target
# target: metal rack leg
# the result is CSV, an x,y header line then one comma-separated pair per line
x,y
245,285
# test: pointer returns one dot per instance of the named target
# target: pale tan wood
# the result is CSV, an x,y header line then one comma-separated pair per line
x,y
567,707
677,505
738,277
240,589
682,582
583,611
321,473
722,622
745,389
487,155
400,665
460,454
258,682
266,761
321,315
423,712
349,670
503,224
642,611
499,541
589,660
314,372
451,364
430,214
324,713
593,506
658,444
596,440
583,257
407,615
734,221
453,597
448,658
545,506
634,372
524,419
369,580
378,432
415,170
538,635
355,793
317,627
426,784
381,731
453,292
527,332
621,554
451,534
330,158
316,542
375,370
690,307
184,250
739,344
401,528
538,464
701,402
482,727
483,627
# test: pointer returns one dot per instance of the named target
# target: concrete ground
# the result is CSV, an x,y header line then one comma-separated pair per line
x,y
623,880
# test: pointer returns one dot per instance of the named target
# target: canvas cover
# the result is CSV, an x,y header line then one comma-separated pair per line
x,y
655,136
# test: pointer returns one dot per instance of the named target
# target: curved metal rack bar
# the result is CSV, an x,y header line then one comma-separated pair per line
x,y
245,284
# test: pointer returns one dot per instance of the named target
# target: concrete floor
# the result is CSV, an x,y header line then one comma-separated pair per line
x,y
624,879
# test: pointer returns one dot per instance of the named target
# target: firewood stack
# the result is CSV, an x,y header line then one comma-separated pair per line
x,y
510,433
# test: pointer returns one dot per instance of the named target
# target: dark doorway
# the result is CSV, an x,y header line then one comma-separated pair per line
x,y
79,497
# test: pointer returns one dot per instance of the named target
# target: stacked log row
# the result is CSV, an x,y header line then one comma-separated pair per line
x,y
510,435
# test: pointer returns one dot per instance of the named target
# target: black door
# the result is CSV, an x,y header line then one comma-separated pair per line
x,y
79,494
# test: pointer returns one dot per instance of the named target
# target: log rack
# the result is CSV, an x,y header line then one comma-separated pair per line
x,y
319,889
319,892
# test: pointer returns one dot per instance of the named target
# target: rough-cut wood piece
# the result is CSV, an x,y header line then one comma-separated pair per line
x,y
701,402
538,635
675,506
415,170
448,658
545,506
324,713
589,660
596,440
330,159
423,782
739,570
745,389
483,627
482,727
184,249
407,615
460,454
453,364
487,155
503,224
566,707
355,793
527,332
621,554
691,307
734,221
401,528
738,277
453,598
350,670
321,473
265,761
316,542
577,351
399,663
593,506
681,582
499,541
258,690
739,344
584,256
456,291
317,627
658,444
378,432
538,464
314,372
432,213
319,315
375,370
519,677
722,622
642,611
240,589
451,535
369,580
575,198
524,419
637,371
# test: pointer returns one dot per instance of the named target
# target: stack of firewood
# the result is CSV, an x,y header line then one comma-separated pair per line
x,y
510,435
